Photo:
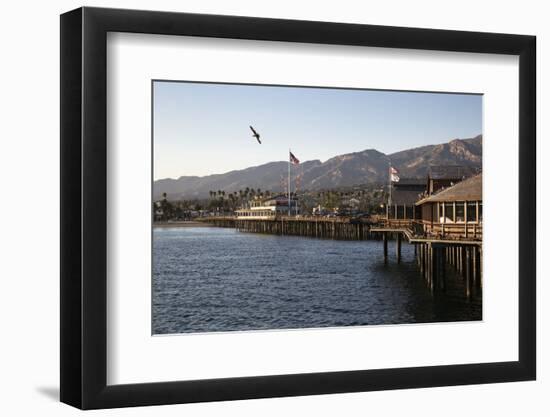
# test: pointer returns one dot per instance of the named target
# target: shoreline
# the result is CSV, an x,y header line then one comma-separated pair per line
x,y
164,225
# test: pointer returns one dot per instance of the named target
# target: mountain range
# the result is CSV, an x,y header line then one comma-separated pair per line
x,y
368,166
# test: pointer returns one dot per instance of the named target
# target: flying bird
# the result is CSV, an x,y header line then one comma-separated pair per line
x,y
256,135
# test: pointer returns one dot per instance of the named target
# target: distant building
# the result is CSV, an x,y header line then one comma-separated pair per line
x,y
353,203
443,176
268,208
456,211
320,211
404,195
158,212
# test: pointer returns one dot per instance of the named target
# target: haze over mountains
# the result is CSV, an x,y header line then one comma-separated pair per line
x,y
368,166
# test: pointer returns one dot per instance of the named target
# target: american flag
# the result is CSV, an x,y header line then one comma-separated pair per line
x,y
293,159
394,174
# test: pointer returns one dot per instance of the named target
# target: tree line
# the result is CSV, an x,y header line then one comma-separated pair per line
x,y
366,199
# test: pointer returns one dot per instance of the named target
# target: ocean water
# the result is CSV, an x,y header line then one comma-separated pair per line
x,y
212,279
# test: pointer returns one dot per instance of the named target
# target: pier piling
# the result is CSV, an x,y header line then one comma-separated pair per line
x,y
398,247
432,261
468,272
385,239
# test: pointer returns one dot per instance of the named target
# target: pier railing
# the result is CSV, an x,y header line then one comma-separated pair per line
x,y
428,229
468,231
298,218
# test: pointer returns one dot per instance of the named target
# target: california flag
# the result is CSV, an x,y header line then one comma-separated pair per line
x,y
394,174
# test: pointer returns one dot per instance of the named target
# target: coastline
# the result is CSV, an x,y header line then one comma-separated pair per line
x,y
162,225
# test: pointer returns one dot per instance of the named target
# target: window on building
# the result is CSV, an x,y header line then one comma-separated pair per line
x,y
459,211
449,214
480,212
400,211
471,215
409,211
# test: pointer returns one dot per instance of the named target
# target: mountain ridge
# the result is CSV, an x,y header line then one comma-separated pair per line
x,y
362,167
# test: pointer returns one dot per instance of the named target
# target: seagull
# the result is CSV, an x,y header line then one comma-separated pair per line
x,y
256,135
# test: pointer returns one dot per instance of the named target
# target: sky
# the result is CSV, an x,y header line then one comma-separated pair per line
x,y
203,128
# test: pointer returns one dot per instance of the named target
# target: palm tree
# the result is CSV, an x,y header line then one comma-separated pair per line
x,y
165,206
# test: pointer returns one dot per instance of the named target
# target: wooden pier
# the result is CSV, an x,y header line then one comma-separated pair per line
x,y
337,228
435,253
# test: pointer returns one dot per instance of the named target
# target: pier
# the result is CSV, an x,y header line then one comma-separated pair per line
x,y
457,248
338,228
446,228
434,253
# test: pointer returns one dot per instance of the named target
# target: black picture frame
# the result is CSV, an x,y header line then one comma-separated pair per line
x,y
84,207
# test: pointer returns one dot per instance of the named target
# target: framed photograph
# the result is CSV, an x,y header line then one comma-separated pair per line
x,y
257,208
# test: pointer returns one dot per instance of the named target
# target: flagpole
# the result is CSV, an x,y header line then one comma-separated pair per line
x,y
289,181
389,186
296,192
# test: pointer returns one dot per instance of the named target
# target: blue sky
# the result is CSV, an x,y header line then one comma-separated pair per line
x,y
202,129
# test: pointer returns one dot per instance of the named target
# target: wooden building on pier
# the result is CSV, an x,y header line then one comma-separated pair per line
x,y
443,176
268,208
404,196
455,212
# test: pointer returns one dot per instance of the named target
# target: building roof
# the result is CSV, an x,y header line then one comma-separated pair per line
x,y
405,196
451,172
407,190
468,190
421,182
